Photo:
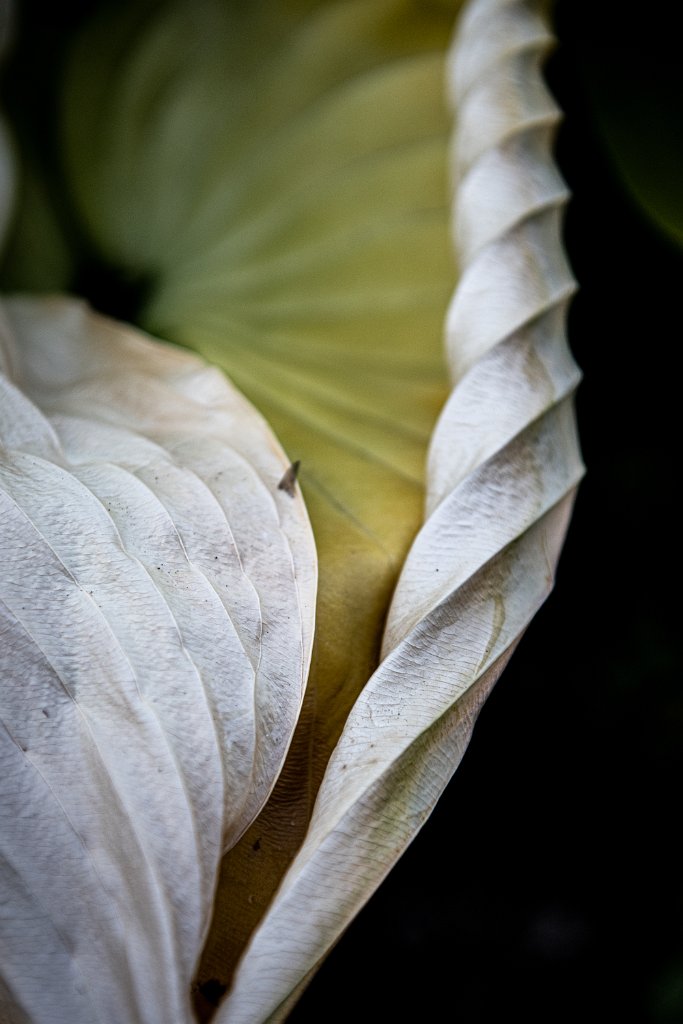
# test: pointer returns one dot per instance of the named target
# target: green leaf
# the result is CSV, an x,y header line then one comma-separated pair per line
x,y
635,96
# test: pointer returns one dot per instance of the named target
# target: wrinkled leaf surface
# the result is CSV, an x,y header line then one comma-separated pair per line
x,y
157,600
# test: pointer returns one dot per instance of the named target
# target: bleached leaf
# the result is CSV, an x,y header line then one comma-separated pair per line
x,y
503,469
273,176
157,599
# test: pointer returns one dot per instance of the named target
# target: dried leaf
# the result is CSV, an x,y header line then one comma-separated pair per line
x,y
157,604
298,237
504,465
306,251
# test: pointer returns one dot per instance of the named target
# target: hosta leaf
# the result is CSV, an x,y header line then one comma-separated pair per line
x,y
157,600
294,231
272,177
504,465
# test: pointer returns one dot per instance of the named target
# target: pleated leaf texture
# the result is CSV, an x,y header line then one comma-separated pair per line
x,y
504,465
158,593
399,193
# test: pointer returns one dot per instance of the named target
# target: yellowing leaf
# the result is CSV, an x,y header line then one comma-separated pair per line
x,y
157,602
504,465
277,178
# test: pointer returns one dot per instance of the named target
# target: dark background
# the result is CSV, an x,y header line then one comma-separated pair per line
x,y
546,886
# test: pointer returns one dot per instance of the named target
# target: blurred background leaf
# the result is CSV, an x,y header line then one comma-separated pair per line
x,y
631,79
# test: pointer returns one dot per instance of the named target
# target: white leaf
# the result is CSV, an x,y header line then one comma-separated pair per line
x,y
157,601
503,469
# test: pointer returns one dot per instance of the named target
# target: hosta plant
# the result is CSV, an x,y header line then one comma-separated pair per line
x,y
271,535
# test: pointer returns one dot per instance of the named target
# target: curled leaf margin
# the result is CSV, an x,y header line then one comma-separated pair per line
x,y
504,466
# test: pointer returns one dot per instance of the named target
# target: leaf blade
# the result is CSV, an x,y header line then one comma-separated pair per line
x,y
447,638
148,729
